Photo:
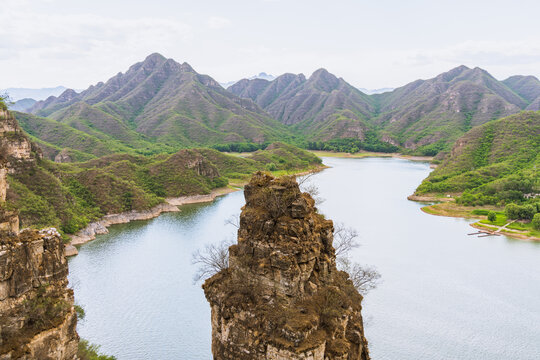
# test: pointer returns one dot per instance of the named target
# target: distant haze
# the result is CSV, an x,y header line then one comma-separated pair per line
x,y
16,94
371,44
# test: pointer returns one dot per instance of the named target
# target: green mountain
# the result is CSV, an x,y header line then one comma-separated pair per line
x,y
159,105
429,115
22,105
161,101
425,116
56,138
528,87
322,107
495,163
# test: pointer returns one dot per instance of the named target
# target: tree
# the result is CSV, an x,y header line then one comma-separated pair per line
x,y
211,260
4,101
364,278
492,216
536,221
512,211
345,239
307,186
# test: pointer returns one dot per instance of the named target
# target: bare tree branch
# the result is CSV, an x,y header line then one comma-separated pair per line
x,y
233,220
364,279
211,260
307,186
345,239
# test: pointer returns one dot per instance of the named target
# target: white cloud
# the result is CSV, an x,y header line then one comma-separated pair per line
x,y
217,22
58,43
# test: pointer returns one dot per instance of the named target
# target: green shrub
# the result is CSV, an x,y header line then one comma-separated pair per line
x,y
89,351
524,212
536,221
492,216
79,310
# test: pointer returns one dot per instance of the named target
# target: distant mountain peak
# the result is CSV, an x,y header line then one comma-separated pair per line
x,y
186,67
324,80
154,57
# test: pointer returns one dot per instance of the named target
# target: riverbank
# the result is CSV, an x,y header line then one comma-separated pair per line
x,y
99,227
360,155
448,208
170,205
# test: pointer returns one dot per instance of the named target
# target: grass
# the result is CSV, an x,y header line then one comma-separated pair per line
x,y
451,209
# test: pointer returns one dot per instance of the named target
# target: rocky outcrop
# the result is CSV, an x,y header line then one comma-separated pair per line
x,y
15,150
37,318
14,145
282,296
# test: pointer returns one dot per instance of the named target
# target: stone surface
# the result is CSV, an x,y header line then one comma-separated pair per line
x,y
282,296
37,317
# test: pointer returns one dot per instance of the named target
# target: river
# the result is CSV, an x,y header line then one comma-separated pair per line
x,y
444,295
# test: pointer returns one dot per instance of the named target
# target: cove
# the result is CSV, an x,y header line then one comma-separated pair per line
x,y
444,295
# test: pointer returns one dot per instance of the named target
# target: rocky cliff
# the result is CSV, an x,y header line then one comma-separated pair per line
x,y
37,318
282,296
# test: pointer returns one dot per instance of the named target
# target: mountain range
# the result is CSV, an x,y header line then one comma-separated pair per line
x,y
161,101
17,94
161,105
426,115
261,75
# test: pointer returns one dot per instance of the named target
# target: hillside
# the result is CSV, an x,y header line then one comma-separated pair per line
x,y
69,196
495,163
424,117
528,87
160,100
321,107
429,115
159,106
56,138
22,105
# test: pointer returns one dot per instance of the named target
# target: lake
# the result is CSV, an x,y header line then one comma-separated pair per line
x,y
443,295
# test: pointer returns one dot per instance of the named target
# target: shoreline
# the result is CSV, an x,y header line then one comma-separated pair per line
x,y
507,232
360,155
465,213
100,226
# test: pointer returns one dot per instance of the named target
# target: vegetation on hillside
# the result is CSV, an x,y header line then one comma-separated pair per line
x,y
371,142
69,196
497,163
3,100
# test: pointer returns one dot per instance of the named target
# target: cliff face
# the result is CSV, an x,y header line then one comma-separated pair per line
x,y
14,145
282,296
37,318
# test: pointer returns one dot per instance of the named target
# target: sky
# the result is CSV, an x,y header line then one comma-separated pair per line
x,y
371,44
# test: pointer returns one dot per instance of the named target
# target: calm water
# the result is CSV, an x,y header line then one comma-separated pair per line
x,y
444,295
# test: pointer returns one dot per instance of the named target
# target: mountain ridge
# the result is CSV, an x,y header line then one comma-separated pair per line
x,y
167,102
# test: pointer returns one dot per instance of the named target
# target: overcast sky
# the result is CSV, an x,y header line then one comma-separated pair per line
x,y
370,43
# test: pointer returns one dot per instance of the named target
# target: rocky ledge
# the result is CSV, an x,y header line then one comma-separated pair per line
x,y
37,317
282,296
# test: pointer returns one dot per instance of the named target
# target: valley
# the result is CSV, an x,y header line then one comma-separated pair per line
x,y
162,138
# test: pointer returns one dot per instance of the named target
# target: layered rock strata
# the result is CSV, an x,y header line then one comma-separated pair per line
x,y
282,296
37,317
